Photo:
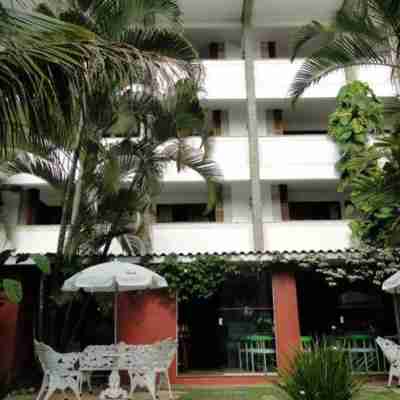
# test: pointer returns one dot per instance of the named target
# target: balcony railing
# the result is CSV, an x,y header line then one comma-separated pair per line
x,y
282,158
225,80
211,237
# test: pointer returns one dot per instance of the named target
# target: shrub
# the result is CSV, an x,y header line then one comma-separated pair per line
x,y
320,374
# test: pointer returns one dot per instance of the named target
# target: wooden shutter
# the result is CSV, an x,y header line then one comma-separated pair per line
x,y
268,49
219,208
217,50
283,193
217,122
277,123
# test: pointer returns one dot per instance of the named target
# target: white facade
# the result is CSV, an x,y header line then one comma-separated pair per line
x,y
297,159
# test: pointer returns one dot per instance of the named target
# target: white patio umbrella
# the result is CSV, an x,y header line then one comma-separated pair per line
x,y
392,285
114,277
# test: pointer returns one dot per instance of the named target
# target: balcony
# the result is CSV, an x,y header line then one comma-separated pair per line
x,y
211,237
225,80
282,158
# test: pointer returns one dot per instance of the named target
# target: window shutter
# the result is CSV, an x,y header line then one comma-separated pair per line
x,y
217,122
219,208
278,124
217,50
268,49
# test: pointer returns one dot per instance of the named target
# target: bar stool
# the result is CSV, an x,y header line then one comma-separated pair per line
x,y
306,343
261,346
362,352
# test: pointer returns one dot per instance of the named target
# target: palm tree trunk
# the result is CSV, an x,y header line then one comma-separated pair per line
x,y
256,202
68,196
70,247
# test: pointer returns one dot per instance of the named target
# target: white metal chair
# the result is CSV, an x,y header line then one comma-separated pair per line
x,y
60,371
168,349
391,351
146,362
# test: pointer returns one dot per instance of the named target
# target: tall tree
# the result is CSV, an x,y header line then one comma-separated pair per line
x,y
153,28
249,52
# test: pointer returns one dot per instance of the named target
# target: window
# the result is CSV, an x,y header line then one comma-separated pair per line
x,y
47,215
184,213
312,210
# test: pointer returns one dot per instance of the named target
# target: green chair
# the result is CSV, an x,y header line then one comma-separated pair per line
x,y
306,343
362,352
258,346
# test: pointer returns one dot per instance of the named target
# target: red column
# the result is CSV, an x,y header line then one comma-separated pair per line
x,y
8,338
286,317
148,317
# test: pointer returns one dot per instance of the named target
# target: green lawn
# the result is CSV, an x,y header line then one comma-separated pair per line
x,y
271,393
268,392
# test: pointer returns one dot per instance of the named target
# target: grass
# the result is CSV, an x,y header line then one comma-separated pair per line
x,y
267,392
271,393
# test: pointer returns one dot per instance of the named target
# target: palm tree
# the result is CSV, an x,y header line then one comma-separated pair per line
x,y
362,32
153,28
44,74
122,176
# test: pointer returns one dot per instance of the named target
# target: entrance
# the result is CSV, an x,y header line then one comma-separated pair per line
x,y
231,331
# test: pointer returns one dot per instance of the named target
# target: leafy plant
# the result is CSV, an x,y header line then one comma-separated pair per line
x,y
320,374
369,164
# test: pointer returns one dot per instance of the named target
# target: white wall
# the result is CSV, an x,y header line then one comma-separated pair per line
x,y
208,237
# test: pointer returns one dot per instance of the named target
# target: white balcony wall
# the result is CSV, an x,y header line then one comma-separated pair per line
x,y
307,235
39,239
211,237
379,79
274,77
198,238
225,80
282,158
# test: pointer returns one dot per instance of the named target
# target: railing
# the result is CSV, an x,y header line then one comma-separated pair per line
x,y
282,158
209,237
225,79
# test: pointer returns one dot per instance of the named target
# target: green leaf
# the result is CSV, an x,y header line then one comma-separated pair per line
x,y
42,262
13,290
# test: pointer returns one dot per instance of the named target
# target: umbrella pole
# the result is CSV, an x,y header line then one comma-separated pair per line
x,y
116,314
396,313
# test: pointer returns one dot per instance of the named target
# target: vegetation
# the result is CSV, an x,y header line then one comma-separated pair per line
x,y
369,164
269,392
362,32
321,374
147,101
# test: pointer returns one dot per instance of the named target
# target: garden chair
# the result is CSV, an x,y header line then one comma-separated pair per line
x,y
391,351
146,362
168,349
60,371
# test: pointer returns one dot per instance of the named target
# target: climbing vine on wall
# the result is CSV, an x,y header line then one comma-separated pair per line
x,y
203,275
369,164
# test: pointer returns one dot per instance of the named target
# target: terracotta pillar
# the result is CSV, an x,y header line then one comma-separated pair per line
x,y
8,338
148,317
286,317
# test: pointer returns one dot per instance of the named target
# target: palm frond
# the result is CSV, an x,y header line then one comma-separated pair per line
x,y
362,32
115,15
187,156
